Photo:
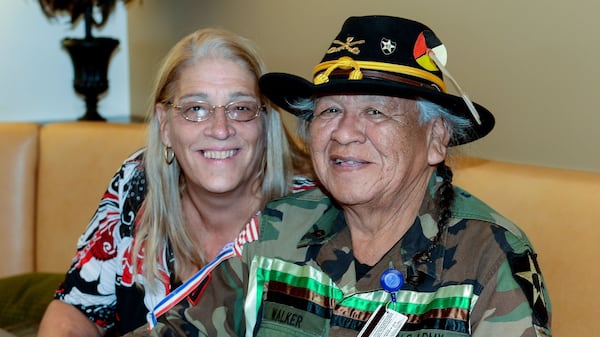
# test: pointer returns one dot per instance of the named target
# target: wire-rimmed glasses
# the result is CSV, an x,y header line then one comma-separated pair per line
x,y
198,111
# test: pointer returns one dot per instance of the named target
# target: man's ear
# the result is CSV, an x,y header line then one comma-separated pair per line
x,y
439,137
163,121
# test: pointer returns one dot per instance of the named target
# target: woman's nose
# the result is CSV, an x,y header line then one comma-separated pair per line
x,y
220,125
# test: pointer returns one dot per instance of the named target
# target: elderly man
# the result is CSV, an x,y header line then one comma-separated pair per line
x,y
389,247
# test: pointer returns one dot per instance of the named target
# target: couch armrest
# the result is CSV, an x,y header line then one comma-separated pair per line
x,y
19,151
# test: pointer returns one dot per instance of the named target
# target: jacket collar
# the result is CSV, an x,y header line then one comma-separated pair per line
x,y
331,232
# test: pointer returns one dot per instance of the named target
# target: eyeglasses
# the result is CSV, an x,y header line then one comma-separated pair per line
x,y
200,111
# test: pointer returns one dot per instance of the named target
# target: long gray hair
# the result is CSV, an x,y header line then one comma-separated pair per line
x,y
162,220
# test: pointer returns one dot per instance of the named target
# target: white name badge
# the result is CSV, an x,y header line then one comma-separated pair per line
x,y
383,323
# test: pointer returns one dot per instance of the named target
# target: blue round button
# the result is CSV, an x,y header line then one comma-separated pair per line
x,y
391,280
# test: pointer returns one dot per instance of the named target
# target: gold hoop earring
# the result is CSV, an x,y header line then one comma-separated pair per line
x,y
169,155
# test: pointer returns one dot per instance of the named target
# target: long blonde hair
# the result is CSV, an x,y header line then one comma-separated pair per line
x,y
162,221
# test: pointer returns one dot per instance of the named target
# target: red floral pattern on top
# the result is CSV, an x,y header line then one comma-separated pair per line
x,y
102,246
101,271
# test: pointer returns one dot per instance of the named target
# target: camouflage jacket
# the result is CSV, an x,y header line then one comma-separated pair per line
x,y
299,278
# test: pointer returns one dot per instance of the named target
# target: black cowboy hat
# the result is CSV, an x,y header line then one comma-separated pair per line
x,y
382,55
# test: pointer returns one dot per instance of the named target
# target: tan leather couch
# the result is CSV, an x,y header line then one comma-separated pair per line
x,y
52,176
560,211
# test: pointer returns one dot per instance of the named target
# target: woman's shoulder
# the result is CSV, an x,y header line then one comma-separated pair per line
x,y
307,191
129,181
132,166
136,157
302,183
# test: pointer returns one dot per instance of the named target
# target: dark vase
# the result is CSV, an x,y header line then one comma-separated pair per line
x,y
90,59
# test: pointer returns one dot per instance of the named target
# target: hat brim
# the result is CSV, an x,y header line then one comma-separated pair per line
x,y
284,89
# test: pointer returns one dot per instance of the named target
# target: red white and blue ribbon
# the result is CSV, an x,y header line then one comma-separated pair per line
x,y
232,249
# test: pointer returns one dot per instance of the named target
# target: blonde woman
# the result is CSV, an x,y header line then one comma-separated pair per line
x,y
216,153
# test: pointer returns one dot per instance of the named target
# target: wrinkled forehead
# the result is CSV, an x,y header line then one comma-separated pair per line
x,y
389,102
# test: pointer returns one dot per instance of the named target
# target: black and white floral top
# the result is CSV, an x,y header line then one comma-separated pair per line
x,y
100,281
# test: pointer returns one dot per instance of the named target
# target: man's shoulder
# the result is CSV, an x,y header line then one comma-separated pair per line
x,y
313,202
469,207
295,214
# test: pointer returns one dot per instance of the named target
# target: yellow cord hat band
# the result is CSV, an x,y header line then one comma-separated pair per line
x,y
322,71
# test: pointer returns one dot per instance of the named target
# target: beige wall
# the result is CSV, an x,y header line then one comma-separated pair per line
x,y
534,63
36,73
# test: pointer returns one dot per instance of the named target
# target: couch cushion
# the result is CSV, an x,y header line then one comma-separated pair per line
x,y
18,150
77,160
24,298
